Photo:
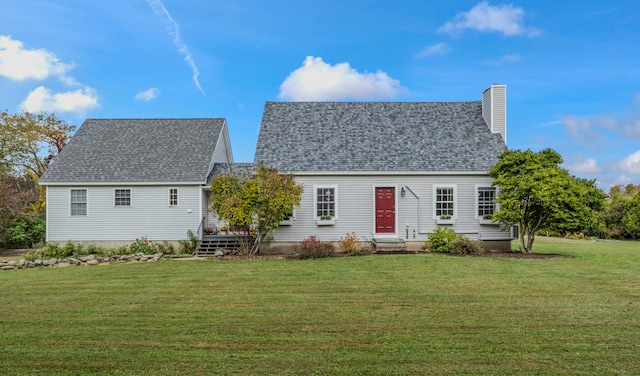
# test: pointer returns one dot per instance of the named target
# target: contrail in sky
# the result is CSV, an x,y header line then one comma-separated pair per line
x,y
174,31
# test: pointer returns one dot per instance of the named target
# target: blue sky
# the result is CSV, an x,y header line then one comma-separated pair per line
x,y
572,69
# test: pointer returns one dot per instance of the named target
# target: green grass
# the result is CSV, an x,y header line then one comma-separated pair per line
x,y
377,315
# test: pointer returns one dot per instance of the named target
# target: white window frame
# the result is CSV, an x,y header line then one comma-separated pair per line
x,y
86,202
454,188
315,199
477,206
177,198
288,221
130,197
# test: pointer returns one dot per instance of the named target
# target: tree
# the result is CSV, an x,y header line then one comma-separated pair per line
x,y
29,142
631,217
617,217
536,193
257,203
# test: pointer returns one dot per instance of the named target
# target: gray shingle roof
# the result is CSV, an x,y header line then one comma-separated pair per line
x,y
240,169
137,151
376,136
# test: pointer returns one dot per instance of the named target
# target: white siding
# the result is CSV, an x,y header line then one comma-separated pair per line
x,y
356,208
494,109
149,214
211,217
221,153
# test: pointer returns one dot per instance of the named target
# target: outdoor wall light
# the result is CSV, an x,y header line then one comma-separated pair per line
x,y
402,192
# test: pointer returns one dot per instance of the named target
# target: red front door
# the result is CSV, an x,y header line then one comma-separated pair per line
x,y
385,210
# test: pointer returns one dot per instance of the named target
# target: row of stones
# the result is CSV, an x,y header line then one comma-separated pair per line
x,y
71,261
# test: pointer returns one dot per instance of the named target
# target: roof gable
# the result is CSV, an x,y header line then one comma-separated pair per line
x,y
138,151
376,136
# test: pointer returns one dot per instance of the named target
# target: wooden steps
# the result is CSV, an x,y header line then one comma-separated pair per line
x,y
212,243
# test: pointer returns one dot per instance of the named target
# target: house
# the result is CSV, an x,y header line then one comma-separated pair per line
x,y
388,170
391,172
120,179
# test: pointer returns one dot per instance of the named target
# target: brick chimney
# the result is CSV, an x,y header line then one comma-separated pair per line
x,y
494,109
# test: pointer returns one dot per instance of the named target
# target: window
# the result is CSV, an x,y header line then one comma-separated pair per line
x,y
122,197
78,202
288,218
173,196
444,201
325,202
486,204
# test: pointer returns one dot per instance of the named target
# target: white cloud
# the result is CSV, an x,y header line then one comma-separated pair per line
x,y
631,163
174,31
579,128
316,80
434,49
637,98
607,122
632,126
148,94
585,166
79,101
18,63
506,59
505,19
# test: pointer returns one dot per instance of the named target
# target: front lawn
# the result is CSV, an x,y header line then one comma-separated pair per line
x,y
375,315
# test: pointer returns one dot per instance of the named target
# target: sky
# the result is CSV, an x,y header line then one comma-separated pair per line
x,y
572,69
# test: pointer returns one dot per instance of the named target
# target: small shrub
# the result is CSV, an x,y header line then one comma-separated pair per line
x,y
312,248
67,250
464,246
143,245
441,239
50,250
165,247
364,249
93,249
189,245
31,256
121,250
575,236
349,243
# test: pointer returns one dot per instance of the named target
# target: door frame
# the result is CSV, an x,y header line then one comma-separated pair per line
x,y
373,200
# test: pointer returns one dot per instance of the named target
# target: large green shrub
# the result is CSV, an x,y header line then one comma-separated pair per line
x,y
25,232
441,239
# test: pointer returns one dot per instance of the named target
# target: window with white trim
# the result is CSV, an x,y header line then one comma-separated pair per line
x,y
486,201
122,197
445,201
325,201
173,196
78,202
